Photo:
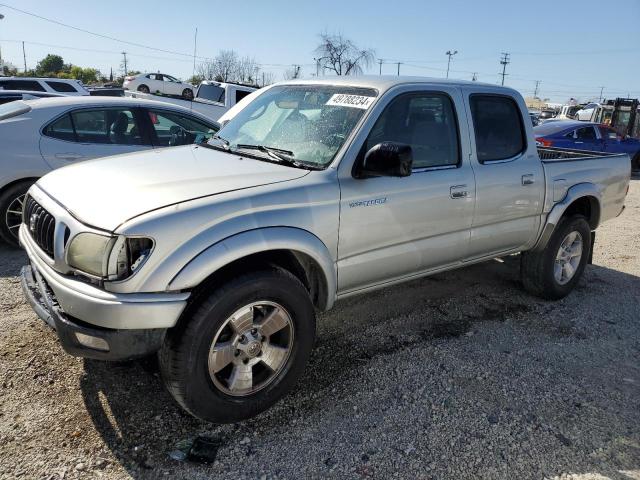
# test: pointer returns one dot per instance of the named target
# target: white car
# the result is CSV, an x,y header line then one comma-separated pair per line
x,y
51,85
159,83
38,136
586,113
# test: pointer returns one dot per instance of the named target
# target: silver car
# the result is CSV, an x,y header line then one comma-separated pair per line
x,y
38,136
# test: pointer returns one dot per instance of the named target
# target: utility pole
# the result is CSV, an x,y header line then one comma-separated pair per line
x,y
1,17
504,61
195,46
450,54
535,92
380,63
124,54
475,77
601,90
24,56
399,63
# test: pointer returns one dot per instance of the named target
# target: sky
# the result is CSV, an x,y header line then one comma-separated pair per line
x,y
572,47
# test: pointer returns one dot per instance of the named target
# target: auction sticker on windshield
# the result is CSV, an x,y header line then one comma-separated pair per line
x,y
355,101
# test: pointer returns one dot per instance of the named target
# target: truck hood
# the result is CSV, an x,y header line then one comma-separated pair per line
x,y
106,192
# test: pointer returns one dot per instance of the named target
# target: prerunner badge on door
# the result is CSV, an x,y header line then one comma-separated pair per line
x,y
354,101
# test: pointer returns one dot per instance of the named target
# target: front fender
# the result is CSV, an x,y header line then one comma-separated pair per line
x,y
259,240
553,218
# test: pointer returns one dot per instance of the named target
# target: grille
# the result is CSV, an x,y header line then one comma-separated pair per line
x,y
40,223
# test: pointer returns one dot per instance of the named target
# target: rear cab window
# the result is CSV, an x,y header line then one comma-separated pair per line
x,y
213,93
498,126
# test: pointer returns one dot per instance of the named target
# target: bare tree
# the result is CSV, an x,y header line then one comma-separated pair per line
x,y
228,67
341,56
293,73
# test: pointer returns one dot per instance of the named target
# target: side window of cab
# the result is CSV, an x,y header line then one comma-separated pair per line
x,y
426,122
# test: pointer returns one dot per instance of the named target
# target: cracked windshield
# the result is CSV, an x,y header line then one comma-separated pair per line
x,y
307,123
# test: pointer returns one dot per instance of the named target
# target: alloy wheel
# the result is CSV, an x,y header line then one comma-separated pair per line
x,y
568,258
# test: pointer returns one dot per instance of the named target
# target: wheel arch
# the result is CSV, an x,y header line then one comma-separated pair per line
x,y
583,199
296,250
10,184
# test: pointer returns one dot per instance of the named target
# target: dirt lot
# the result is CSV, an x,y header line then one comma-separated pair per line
x,y
461,375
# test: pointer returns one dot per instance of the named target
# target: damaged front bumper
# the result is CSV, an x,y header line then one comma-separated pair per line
x,y
80,338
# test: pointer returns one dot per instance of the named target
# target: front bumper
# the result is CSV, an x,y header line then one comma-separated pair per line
x,y
80,338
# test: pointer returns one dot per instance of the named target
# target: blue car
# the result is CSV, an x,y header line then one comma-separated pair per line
x,y
577,135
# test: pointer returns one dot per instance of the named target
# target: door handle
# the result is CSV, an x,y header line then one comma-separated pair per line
x,y
68,156
528,179
458,191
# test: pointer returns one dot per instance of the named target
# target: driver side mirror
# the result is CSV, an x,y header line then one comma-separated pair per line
x,y
387,159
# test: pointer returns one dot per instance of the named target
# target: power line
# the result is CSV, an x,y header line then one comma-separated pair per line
x,y
504,61
108,37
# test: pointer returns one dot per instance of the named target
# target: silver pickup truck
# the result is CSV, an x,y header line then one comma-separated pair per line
x,y
217,256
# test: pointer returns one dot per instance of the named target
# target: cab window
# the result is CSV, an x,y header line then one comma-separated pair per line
x,y
498,126
426,122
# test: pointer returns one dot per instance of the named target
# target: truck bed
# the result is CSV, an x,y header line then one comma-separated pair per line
x,y
609,172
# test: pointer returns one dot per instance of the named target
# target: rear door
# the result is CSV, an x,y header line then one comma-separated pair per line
x,y
508,172
87,133
392,228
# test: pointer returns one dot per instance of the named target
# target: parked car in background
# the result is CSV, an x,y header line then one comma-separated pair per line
x,y
585,114
212,99
594,137
52,85
567,112
7,96
106,91
547,114
218,255
159,83
38,136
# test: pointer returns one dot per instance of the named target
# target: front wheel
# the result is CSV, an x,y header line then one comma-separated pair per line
x,y
242,349
553,272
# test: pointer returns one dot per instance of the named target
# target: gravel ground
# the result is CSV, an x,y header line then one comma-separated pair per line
x,y
460,375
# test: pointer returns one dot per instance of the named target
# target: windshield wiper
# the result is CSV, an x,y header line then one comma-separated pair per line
x,y
282,156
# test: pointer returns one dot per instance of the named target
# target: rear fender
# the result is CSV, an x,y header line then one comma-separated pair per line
x,y
555,215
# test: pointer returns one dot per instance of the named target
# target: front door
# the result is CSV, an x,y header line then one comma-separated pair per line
x,y
392,228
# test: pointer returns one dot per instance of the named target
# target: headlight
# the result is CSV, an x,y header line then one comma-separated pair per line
x,y
88,252
127,256
110,258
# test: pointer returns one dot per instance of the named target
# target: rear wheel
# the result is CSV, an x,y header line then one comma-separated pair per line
x,y
635,162
242,348
143,89
11,204
187,94
553,272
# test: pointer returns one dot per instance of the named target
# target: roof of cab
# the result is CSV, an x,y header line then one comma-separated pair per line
x,y
383,83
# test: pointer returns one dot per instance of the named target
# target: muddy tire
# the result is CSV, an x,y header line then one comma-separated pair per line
x,y
11,201
241,348
554,272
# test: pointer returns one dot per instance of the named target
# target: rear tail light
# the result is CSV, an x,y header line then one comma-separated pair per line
x,y
543,142
128,79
